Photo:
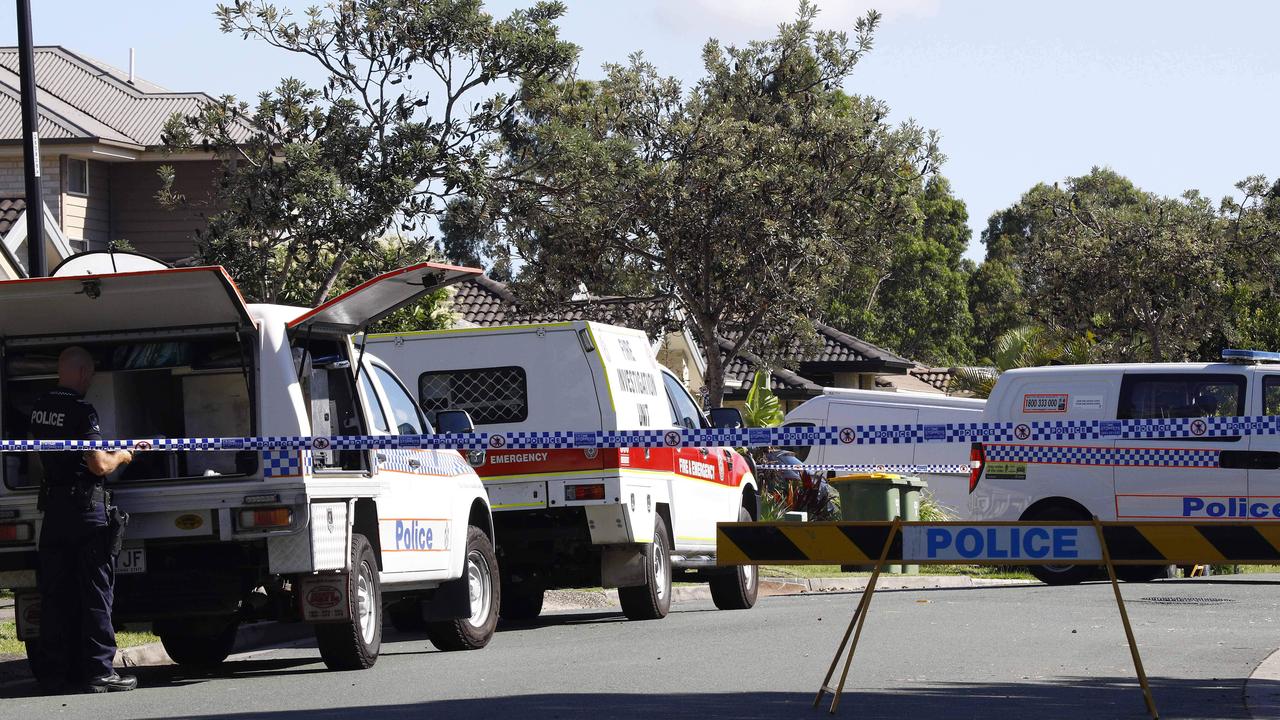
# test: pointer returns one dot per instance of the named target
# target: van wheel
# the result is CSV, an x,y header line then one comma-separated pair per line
x,y
737,588
200,646
406,616
652,600
473,633
522,600
354,644
1059,574
1145,573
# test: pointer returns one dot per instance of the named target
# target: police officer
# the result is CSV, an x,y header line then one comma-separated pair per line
x,y
76,573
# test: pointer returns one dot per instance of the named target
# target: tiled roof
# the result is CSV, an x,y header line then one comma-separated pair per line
x,y
85,99
937,377
841,347
840,351
742,369
485,302
10,210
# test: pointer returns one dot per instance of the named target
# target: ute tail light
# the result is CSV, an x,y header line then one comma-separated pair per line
x,y
594,491
16,532
977,457
265,518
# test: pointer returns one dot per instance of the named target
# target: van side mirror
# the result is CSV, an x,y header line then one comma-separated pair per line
x,y
454,421
727,418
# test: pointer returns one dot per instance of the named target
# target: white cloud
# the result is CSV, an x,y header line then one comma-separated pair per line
x,y
731,18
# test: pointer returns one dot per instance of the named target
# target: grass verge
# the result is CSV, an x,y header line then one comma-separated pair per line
x,y
11,645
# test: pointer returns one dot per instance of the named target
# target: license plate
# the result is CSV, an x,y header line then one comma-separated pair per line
x,y
131,561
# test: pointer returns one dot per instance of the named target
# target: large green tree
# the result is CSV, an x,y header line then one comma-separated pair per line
x,y
1252,227
916,300
1151,277
315,178
738,203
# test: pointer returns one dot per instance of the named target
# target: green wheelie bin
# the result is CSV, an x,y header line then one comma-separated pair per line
x,y
869,496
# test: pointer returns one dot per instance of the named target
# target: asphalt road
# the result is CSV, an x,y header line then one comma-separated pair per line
x,y
1028,651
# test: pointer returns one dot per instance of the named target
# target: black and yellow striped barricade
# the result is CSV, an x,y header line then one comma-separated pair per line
x,y
1106,544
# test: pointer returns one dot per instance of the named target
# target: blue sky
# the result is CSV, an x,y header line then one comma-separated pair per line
x,y
1173,94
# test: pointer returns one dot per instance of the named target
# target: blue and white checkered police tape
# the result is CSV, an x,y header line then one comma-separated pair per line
x,y
867,468
996,432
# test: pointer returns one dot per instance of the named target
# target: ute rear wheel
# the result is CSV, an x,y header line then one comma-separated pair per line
x,y
521,600
736,588
200,646
481,572
651,601
354,644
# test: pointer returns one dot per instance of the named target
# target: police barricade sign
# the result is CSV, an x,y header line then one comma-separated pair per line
x,y
999,543
992,543
1004,544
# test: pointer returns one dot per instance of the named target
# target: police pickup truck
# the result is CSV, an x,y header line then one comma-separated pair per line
x,y
217,538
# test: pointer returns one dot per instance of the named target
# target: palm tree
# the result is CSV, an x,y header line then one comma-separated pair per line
x,y
1027,346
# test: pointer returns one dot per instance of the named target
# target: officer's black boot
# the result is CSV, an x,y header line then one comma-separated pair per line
x,y
115,682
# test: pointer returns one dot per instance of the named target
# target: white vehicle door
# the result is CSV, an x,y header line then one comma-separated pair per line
x,y
699,497
366,303
844,414
1264,452
414,524
199,297
1164,489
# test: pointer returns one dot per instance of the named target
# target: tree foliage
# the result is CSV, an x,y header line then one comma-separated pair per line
x,y
1028,346
742,201
1152,278
763,408
314,178
916,299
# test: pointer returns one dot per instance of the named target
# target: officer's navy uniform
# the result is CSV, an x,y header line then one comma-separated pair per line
x,y
76,576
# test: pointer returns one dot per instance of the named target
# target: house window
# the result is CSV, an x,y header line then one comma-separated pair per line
x,y
77,176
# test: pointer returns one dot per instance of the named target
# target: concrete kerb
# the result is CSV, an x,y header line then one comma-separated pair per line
x,y
564,600
1262,689
249,637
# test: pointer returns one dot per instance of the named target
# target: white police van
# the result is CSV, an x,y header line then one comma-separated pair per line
x,y
842,407
630,518
1242,484
217,538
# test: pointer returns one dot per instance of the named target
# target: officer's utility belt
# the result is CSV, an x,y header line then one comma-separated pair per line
x,y
84,495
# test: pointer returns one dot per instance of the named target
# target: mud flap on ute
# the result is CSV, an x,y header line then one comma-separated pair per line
x,y
623,566
27,615
324,598
450,601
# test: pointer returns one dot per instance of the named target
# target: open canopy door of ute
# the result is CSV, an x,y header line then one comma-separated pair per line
x,y
379,297
131,301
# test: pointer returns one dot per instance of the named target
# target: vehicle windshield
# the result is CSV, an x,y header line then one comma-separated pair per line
x,y
144,388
